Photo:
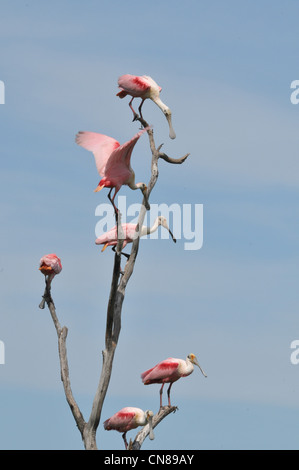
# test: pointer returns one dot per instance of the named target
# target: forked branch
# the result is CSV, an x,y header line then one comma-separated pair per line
x,y
144,432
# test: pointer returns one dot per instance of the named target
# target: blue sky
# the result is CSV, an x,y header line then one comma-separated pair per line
x,y
225,69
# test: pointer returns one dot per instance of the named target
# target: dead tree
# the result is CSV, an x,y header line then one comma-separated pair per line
x,y
88,428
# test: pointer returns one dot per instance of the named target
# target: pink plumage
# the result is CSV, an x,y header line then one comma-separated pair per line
x,y
129,232
129,418
164,372
110,238
50,264
113,161
138,87
169,371
123,420
144,87
101,145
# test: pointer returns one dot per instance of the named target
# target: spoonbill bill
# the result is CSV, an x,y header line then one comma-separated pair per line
x,y
168,371
129,418
113,161
144,87
50,265
110,238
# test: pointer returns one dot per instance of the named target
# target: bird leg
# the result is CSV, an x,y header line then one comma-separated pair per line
x,y
168,394
122,253
139,109
161,391
134,112
112,201
125,440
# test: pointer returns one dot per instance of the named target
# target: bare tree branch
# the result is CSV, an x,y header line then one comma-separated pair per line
x,y
64,369
113,325
111,338
177,161
144,432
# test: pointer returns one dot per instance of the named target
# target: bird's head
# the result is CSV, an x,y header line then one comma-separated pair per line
x,y
162,221
46,269
149,416
99,187
143,188
192,358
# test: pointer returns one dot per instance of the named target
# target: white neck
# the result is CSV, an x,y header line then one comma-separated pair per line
x,y
167,113
132,185
188,367
149,230
161,105
141,419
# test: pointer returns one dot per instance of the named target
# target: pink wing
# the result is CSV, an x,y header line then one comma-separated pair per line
x,y
133,85
100,145
111,235
121,421
118,164
130,232
107,237
161,371
152,82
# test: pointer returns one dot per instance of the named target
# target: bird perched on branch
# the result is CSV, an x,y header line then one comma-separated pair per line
x,y
129,230
144,87
168,371
129,418
113,161
50,265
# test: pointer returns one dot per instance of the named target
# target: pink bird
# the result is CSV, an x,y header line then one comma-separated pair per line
x,y
168,371
50,265
129,230
113,161
144,87
129,418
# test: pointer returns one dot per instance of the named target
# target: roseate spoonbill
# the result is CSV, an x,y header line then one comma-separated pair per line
x,y
112,161
144,87
110,238
129,418
50,265
168,371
